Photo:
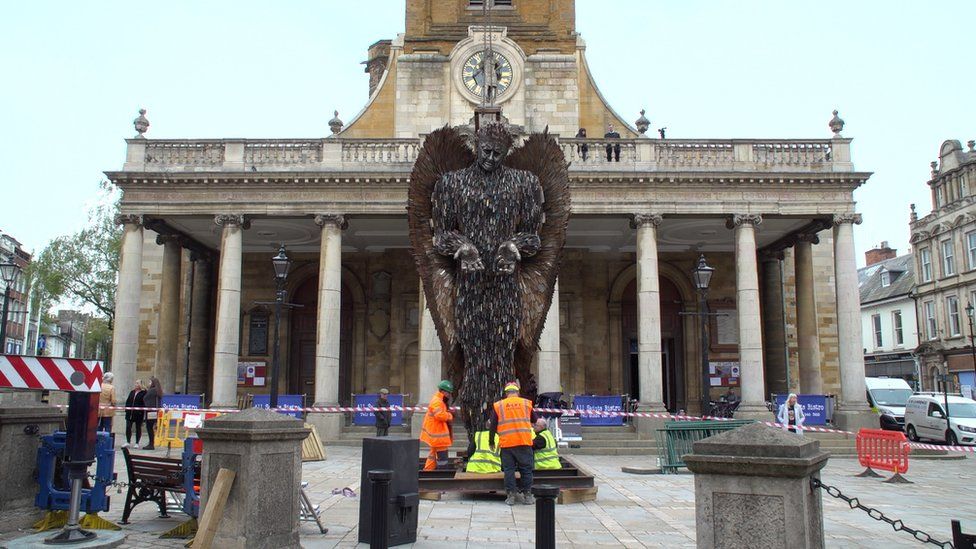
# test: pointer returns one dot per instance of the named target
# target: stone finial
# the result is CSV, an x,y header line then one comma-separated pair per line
x,y
335,124
642,123
914,215
141,124
935,168
836,124
972,145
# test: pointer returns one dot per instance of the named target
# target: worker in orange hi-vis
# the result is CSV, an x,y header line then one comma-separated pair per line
x,y
437,426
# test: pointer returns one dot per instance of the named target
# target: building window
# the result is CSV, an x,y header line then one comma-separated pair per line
x,y
876,324
885,279
896,323
952,313
948,261
930,330
925,261
491,4
971,248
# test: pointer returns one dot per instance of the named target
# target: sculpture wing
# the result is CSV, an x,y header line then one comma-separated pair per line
x,y
443,151
541,155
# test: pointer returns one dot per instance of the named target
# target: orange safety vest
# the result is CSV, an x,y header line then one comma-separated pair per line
x,y
514,422
435,432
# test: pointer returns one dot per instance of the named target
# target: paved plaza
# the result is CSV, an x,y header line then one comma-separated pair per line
x,y
630,510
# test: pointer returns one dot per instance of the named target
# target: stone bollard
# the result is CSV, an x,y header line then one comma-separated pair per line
x,y
264,449
752,489
22,419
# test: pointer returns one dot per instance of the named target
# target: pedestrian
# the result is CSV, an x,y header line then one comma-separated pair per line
x,y
544,446
582,148
106,400
153,399
791,416
437,432
134,418
511,423
383,417
613,150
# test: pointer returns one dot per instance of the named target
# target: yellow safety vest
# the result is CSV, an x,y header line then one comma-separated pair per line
x,y
548,457
484,460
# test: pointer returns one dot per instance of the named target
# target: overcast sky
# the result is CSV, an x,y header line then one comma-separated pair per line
x,y
900,72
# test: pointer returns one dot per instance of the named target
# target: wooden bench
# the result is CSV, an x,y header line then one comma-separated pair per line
x,y
150,479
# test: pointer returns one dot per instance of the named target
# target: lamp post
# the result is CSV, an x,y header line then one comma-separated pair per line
x,y
702,275
9,273
281,264
972,344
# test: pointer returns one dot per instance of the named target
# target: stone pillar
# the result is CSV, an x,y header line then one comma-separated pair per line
x,y
18,453
328,331
264,449
751,374
429,362
774,326
125,336
852,410
752,489
549,380
167,339
200,326
648,313
808,338
227,342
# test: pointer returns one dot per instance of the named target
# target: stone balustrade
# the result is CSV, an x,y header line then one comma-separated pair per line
x,y
398,155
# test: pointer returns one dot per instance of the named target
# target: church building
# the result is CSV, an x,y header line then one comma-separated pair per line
x,y
202,219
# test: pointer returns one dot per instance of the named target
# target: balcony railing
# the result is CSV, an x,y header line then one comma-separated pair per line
x,y
398,155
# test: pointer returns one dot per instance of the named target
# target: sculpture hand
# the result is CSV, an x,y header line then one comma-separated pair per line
x,y
470,260
506,258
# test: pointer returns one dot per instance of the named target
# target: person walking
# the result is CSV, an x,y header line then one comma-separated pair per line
x,y
383,417
544,446
437,432
134,418
511,423
153,399
105,401
791,415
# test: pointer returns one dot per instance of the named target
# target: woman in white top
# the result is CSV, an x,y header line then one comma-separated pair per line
x,y
791,416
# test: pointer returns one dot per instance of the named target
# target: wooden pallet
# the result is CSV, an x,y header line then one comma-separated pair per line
x,y
312,449
576,484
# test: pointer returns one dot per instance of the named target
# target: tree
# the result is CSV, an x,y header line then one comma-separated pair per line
x,y
81,267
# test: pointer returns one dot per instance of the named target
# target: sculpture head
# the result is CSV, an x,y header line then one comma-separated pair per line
x,y
494,143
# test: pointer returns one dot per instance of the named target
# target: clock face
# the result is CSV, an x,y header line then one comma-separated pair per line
x,y
473,74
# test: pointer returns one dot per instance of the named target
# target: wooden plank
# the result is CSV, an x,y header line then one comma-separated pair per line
x,y
214,511
312,449
576,495
430,496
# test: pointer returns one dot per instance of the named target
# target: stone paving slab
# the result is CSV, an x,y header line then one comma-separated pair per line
x,y
630,510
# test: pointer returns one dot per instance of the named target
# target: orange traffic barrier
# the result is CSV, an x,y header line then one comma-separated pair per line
x,y
885,450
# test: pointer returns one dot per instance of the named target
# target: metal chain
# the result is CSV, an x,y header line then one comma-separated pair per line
x,y
876,514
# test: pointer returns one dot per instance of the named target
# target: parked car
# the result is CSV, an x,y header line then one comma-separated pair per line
x,y
889,395
925,418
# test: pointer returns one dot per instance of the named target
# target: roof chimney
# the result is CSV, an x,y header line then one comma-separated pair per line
x,y
879,254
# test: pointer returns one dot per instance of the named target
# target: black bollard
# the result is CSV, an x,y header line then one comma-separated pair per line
x,y
379,535
545,516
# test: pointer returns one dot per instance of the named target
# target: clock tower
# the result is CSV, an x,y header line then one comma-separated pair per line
x,y
435,72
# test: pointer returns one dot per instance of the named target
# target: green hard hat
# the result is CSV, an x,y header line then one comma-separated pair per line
x,y
446,385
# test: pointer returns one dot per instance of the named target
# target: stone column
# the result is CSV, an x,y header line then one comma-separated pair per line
x,y
429,361
648,313
200,326
227,341
167,339
125,336
808,338
852,410
751,374
328,331
774,327
549,380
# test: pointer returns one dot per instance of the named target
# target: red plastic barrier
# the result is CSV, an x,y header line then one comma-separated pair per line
x,y
885,450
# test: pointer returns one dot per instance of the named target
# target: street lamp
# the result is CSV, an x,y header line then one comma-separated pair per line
x,y
972,344
702,275
281,264
9,273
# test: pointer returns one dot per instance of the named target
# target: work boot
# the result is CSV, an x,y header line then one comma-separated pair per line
x,y
510,500
528,498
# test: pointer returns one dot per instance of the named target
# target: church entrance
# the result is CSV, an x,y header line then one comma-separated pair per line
x,y
672,338
301,367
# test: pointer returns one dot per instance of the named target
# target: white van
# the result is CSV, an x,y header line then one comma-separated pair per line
x,y
925,418
889,395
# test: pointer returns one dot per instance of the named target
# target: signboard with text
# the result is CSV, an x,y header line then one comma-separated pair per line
x,y
612,403
815,408
369,418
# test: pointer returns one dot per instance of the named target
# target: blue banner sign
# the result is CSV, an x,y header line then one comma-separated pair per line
x,y
186,402
284,401
610,403
815,408
369,418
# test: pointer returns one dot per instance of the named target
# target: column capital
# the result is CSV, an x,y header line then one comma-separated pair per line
x,y
737,220
336,220
232,220
638,220
854,218
128,219
162,239
811,238
770,255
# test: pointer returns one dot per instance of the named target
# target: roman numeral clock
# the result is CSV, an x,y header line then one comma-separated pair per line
x,y
477,73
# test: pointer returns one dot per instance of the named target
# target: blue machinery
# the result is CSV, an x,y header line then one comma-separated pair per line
x,y
54,498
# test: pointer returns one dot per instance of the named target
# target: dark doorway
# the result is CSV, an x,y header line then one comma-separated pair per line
x,y
672,363
301,367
